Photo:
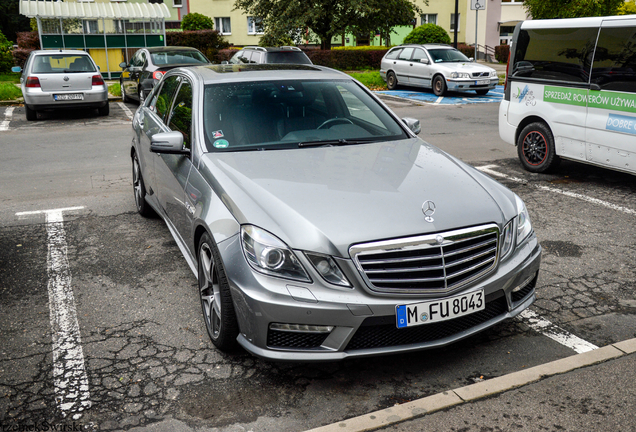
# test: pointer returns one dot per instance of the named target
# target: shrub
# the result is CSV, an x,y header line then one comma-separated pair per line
x,y
197,21
360,48
6,58
347,59
28,40
467,50
427,33
209,42
502,52
20,56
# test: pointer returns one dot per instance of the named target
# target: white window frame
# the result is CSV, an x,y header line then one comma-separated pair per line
x,y
457,24
218,25
177,3
251,26
505,2
426,18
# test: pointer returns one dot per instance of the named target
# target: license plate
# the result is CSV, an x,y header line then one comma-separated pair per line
x,y
439,310
69,96
482,82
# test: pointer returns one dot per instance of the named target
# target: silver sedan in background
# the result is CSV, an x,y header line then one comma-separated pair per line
x,y
318,224
62,79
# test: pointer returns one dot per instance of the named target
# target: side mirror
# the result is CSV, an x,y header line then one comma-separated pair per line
x,y
123,65
168,142
471,59
424,60
413,124
225,62
16,69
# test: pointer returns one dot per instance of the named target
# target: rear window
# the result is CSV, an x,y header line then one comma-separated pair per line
x,y
178,57
62,63
296,57
563,54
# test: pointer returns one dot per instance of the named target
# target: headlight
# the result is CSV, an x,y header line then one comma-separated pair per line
x,y
269,255
524,227
459,75
517,230
328,269
493,73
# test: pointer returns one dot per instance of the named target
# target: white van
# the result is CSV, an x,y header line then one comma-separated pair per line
x,y
571,93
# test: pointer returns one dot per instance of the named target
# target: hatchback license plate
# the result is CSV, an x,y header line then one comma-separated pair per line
x,y
482,82
439,310
69,96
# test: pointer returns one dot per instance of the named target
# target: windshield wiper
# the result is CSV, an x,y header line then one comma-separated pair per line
x,y
338,142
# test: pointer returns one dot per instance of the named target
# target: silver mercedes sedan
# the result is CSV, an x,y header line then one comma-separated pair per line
x,y
318,224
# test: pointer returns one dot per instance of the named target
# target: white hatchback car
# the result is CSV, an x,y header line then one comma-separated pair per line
x,y
62,79
437,66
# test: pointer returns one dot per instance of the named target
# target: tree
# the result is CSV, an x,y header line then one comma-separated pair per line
x,y
11,22
284,19
547,9
628,8
197,21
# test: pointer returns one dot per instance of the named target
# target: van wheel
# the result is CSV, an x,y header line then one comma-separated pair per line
x,y
439,85
391,81
535,148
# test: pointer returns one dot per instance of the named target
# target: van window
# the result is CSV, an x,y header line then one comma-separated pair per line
x,y
615,59
563,54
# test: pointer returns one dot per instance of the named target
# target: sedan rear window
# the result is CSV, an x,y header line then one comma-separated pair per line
x,y
178,57
293,114
62,63
288,57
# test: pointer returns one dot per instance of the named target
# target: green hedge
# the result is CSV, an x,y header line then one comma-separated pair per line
x,y
209,42
347,59
502,52
360,48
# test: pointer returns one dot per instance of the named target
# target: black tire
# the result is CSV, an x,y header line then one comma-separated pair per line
x,y
535,147
216,299
31,114
124,96
105,110
482,92
391,81
139,190
439,86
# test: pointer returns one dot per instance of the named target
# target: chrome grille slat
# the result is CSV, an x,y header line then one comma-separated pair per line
x,y
436,263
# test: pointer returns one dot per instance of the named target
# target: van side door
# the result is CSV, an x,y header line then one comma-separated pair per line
x,y
611,108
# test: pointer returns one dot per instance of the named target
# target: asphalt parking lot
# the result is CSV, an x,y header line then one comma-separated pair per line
x,y
144,357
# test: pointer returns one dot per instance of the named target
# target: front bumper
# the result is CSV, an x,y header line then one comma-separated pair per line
x,y
37,99
364,324
470,84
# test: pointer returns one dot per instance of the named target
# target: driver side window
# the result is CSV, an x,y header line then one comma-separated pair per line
x,y
180,118
161,103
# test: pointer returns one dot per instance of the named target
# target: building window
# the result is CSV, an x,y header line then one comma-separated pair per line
x,y
429,19
512,1
177,3
223,25
90,26
254,25
453,21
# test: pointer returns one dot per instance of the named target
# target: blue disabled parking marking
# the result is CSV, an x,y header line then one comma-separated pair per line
x,y
451,98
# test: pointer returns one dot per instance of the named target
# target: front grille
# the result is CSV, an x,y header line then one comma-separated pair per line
x,y
435,263
286,339
379,332
481,74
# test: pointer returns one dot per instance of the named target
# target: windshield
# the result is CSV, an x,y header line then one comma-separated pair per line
x,y
62,63
178,57
447,55
266,115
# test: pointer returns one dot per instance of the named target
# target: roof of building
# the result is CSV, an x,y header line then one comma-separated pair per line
x,y
85,10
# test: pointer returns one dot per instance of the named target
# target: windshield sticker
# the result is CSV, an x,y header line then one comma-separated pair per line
x,y
621,123
221,143
217,134
594,99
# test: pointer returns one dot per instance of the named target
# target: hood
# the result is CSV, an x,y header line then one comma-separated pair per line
x,y
468,67
326,199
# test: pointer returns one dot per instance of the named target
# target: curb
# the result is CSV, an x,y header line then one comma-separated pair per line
x,y
420,407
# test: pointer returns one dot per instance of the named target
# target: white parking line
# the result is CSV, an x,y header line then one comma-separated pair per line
x,y
69,373
8,115
488,169
126,110
556,333
537,323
